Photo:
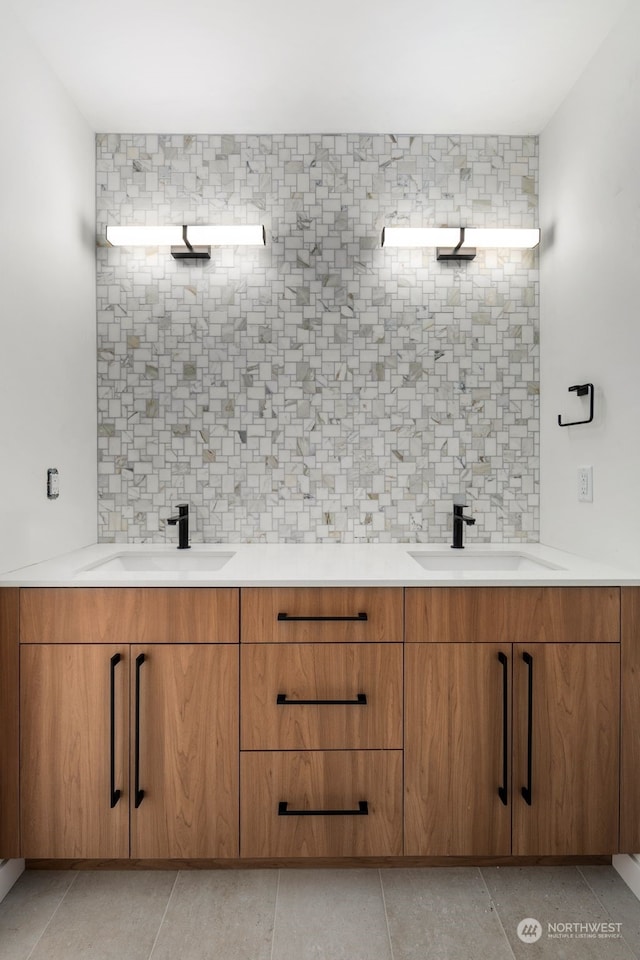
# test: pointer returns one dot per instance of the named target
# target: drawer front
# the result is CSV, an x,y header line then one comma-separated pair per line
x,y
513,614
322,615
321,781
128,615
278,678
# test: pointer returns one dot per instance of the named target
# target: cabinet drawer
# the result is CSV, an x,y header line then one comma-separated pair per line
x,y
322,614
507,614
318,782
278,678
128,615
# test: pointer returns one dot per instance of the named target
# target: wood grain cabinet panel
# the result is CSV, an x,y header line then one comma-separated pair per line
x,y
321,781
175,718
513,614
175,723
65,756
128,615
574,690
455,749
9,723
630,719
166,665
322,615
327,672
188,751
452,727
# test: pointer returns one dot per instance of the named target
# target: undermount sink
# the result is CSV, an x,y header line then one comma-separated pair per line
x,y
456,560
176,562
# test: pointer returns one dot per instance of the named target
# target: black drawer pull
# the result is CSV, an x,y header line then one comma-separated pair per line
x,y
502,791
360,618
360,701
527,792
114,793
362,811
137,793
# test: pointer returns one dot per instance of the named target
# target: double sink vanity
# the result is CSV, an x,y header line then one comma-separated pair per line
x,y
244,703
202,561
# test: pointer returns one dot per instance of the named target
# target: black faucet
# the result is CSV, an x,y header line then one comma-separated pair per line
x,y
183,525
459,521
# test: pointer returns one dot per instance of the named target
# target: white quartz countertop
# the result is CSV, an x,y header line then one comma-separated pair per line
x,y
270,565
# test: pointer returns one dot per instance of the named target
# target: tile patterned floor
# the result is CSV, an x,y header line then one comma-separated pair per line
x,y
453,913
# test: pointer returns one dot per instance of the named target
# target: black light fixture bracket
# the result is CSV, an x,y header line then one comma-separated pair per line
x,y
581,389
457,253
189,252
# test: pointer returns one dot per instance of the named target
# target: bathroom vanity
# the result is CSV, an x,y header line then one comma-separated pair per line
x,y
432,716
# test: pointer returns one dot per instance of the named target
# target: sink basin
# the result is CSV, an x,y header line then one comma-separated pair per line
x,y
175,562
455,560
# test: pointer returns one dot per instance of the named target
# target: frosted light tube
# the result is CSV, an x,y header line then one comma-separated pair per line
x,y
450,237
144,236
235,236
420,236
514,239
171,236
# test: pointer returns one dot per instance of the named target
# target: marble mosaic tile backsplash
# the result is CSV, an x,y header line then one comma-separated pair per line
x,y
321,388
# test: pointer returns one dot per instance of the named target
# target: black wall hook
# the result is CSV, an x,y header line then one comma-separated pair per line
x,y
582,389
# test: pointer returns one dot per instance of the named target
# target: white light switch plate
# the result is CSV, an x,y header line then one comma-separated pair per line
x,y
585,484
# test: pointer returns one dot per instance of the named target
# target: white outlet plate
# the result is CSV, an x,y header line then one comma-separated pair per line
x,y
585,484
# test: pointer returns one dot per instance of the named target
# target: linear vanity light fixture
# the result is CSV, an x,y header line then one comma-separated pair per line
x,y
187,242
459,243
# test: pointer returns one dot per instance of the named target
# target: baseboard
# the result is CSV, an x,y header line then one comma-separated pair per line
x,y
303,863
629,869
10,870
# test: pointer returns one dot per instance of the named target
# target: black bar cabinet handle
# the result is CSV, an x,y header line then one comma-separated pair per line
x,y
115,794
502,791
282,700
362,811
526,791
360,618
138,793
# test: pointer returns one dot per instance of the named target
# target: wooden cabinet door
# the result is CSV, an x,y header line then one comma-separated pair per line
x,y
455,749
67,694
566,720
184,727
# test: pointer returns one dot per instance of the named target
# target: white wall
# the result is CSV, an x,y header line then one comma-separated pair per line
x,y
590,316
47,309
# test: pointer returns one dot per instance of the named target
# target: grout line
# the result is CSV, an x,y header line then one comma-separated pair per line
x,y
632,949
49,921
275,915
592,890
497,913
386,918
164,914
